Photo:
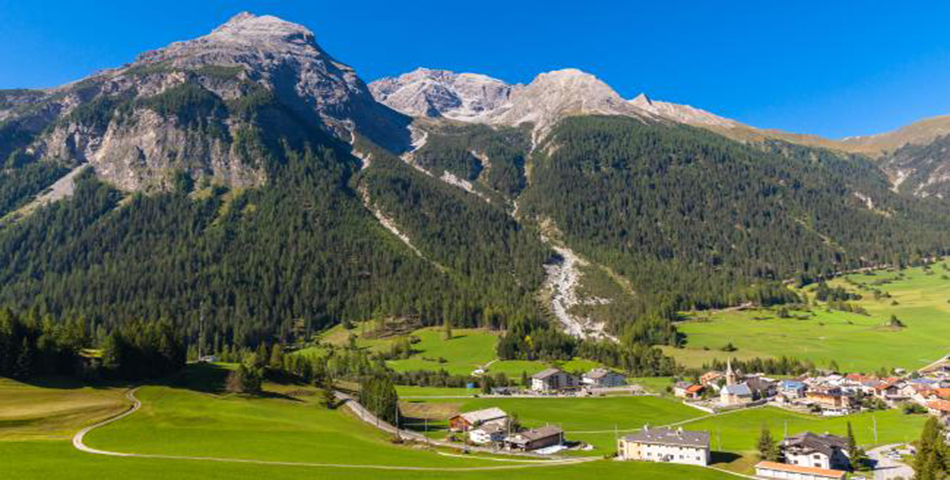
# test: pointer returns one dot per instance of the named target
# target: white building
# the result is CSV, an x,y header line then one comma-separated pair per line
x,y
552,380
795,472
603,378
666,445
490,433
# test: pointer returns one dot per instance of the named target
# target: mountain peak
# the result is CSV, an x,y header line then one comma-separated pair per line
x,y
426,92
642,101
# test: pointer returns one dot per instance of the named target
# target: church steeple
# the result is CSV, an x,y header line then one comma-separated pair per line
x,y
730,374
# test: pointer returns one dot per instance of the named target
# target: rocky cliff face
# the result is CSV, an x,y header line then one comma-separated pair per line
x,y
478,98
920,170
440,93
186,107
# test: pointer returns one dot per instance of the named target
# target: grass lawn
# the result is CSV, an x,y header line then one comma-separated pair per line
x,y
196,421
572,414
856,342
53,409
466,351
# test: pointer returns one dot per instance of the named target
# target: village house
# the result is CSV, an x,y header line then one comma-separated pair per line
x,y
666,445
553,380
469,420
889,390
784,471
828,397
535,439
939,408
688,390
711,379
762,387
603,378
489,433
792,389
818,451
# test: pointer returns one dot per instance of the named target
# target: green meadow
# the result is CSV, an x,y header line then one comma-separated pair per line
x,y
467,350
856,342
287,424
592,414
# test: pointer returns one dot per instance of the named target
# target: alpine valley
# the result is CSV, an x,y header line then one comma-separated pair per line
x,y
251,188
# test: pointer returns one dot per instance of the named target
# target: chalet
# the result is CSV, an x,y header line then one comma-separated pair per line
x,y
553,380
535,439
488,433
603,378
889,389
817,451
796,472
469,420
942,393
666,445
828,396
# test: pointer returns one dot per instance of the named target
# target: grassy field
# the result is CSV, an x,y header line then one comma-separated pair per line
x,y
466,351
54,409
287,424
856,342
599,414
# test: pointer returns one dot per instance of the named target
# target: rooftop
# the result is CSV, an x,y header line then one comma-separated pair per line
x,y
667,436
784,467
478,416
546,373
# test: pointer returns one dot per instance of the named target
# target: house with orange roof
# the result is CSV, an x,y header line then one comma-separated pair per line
x,y
797,472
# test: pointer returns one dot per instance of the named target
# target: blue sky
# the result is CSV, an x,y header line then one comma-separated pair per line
x,y
831,68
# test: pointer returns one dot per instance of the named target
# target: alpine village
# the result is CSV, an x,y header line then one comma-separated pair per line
x,y
232,258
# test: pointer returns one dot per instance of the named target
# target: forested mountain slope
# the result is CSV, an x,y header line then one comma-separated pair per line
x,y
248,182
695,218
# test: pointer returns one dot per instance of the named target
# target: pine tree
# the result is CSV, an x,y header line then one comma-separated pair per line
x,y
854,452
525,382
24,362
930,463
766,445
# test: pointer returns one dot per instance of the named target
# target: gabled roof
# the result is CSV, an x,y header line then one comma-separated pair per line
x,y
943,393
485,415
535,434
546,373
695,389
667,436
939,405
792,384
741,390
784,467
825,444
599,373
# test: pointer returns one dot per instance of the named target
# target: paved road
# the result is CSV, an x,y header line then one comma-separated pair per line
x,y
887,469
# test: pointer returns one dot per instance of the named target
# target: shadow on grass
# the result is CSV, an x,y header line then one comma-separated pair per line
x,y
720,459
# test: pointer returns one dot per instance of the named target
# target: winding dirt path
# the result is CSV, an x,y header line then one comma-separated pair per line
x,y
79,444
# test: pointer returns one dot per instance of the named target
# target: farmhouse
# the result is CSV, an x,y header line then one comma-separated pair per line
x,y
817,451
552,380
666,445
688,390
535,439
796,472
488,433
603,378
467,421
